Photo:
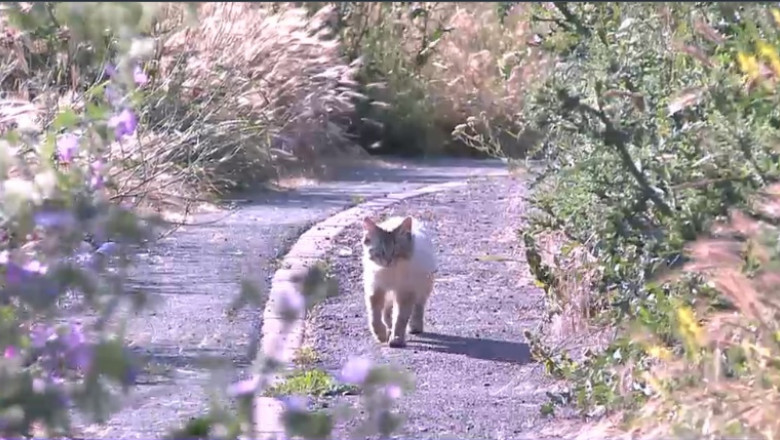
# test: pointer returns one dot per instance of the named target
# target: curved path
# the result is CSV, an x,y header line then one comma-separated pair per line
x,y
473,372
196,272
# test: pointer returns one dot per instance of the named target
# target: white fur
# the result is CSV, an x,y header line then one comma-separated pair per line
x,y
407,285
406,273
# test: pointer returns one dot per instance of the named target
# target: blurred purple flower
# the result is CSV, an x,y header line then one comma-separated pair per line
x,y
67,147
356,370
244,387
16,274
292,303
139,76
73,336
124,123
10,352
393,391
96,180
41,335
112,96
54,219
78,352
109,70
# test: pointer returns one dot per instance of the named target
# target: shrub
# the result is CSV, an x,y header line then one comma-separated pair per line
x,y
428,67
650,135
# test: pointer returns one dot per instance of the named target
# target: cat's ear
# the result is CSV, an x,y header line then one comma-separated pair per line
x,y
369,225
406,225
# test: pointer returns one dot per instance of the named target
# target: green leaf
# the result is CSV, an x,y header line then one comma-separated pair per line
x,y
96,112
67,118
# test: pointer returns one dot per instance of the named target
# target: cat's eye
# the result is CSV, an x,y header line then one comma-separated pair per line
x,y
366,240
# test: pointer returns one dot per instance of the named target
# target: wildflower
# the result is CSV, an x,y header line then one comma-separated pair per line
x,y
41,335
139,76
10,352
96,179
292,303
748,64
77,351
356,370
67,147
244,387
112,96
659,352
16,274
124,123
394,392
776,16
109,70
54,219
769,53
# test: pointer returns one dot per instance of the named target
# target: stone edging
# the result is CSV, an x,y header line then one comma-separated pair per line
x,y
313,246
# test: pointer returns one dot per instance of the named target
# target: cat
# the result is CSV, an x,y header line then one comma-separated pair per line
x,y
399,263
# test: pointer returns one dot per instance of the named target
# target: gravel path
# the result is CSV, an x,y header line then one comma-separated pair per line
x,y
196,273
473,373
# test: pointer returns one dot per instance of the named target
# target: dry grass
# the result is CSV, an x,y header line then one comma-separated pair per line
x,y
576,272
734,367
247,90
483,69
242,95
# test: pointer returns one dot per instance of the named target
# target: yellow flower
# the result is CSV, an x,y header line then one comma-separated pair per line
x,y
776,16
769,52
659,352
748,64
688,324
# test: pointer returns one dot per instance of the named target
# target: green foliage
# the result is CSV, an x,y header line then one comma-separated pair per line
x,y
309,382
649,136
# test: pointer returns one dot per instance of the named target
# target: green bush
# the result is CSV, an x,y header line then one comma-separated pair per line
x,y
651,133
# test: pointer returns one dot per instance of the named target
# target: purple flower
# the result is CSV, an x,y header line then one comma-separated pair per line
x,y
54,219
41,335
10,352
78,353
139,76
292,303
16,274
112,96
356,370
109,70
124,123
96,180
67,147
394,392
244,387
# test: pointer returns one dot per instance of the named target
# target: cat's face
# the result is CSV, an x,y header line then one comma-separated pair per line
x,y
386,247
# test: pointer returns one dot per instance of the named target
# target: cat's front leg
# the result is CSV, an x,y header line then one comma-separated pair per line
x,y
416,324
402,310
375,302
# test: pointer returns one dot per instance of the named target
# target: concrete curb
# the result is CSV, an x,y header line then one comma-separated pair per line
x,y
313,246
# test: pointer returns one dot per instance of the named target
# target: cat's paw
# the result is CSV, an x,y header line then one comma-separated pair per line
x,y
397,342
416,330
380,336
